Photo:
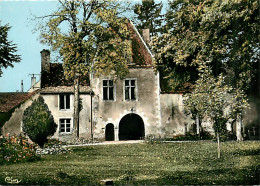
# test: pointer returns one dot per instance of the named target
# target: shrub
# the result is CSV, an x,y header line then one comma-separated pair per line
x,y
38,122
191,137
16,149
53,142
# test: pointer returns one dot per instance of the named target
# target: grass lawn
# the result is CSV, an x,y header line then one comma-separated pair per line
x,y
151,164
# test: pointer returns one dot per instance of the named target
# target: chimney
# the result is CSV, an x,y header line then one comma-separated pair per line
x,y
33,81
146,35
22,86
45,60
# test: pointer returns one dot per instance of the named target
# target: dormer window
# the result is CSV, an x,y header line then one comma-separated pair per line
x,y
108,90
130,89
64,101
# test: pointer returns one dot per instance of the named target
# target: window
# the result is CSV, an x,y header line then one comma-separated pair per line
x,y
64,101
108,90
65,125
130,89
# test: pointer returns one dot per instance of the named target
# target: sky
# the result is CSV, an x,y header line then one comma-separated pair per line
x,y
18,15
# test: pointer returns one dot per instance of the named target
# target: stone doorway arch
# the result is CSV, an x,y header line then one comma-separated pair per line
x,y
131,127
110,132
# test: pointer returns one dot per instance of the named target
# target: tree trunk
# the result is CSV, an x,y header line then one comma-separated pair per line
x,y
91,118
197,124
76,108
218,145
239,128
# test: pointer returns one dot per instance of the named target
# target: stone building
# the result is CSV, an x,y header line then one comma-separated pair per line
x,y
128,109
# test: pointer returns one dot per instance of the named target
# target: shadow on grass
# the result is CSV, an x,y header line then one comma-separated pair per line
x,y
246,176
248,152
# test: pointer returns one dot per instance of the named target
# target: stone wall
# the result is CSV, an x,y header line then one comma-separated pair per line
x,y
147,105
174,120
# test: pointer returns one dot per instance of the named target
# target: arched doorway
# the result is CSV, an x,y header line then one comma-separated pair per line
x,y
131,127
110,132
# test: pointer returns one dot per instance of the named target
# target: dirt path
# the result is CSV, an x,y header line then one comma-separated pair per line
x,y
107,143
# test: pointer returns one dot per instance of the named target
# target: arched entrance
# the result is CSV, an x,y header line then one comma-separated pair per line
x,y
131,127
110,132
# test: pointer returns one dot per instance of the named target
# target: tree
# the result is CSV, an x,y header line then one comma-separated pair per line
x,y
7,49
212,98
38,122
222,35
91,38
149,15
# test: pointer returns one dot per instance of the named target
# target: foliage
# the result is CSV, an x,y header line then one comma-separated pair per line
x,y
150,139
16,149
7,49
149,16
3,118
38,122
52,142
213,98
220,34
144,164
191,137
90,37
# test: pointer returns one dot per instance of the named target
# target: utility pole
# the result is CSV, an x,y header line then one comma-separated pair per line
x,y
22,86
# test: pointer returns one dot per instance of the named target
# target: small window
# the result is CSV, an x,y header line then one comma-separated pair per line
x,y
108,90
130,89
64,101
65,125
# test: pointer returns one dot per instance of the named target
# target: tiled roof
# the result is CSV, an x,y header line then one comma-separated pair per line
x,y
140,52
55,77
65,89
10,100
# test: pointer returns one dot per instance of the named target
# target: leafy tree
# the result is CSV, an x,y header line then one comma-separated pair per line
x,y
7,49
149,15
213,99
38,122
222,33
91,37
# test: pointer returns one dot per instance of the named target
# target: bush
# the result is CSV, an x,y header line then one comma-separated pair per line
x,y
151,139
38,122
16,149
192,137
53,142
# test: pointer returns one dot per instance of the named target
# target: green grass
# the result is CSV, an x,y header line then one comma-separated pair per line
x,y
151,164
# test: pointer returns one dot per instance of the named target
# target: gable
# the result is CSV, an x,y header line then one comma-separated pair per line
x,y
141,54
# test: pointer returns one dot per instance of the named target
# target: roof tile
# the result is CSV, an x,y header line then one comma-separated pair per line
x,y
10,100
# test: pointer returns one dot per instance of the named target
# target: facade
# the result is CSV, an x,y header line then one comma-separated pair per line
x,y
127,109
